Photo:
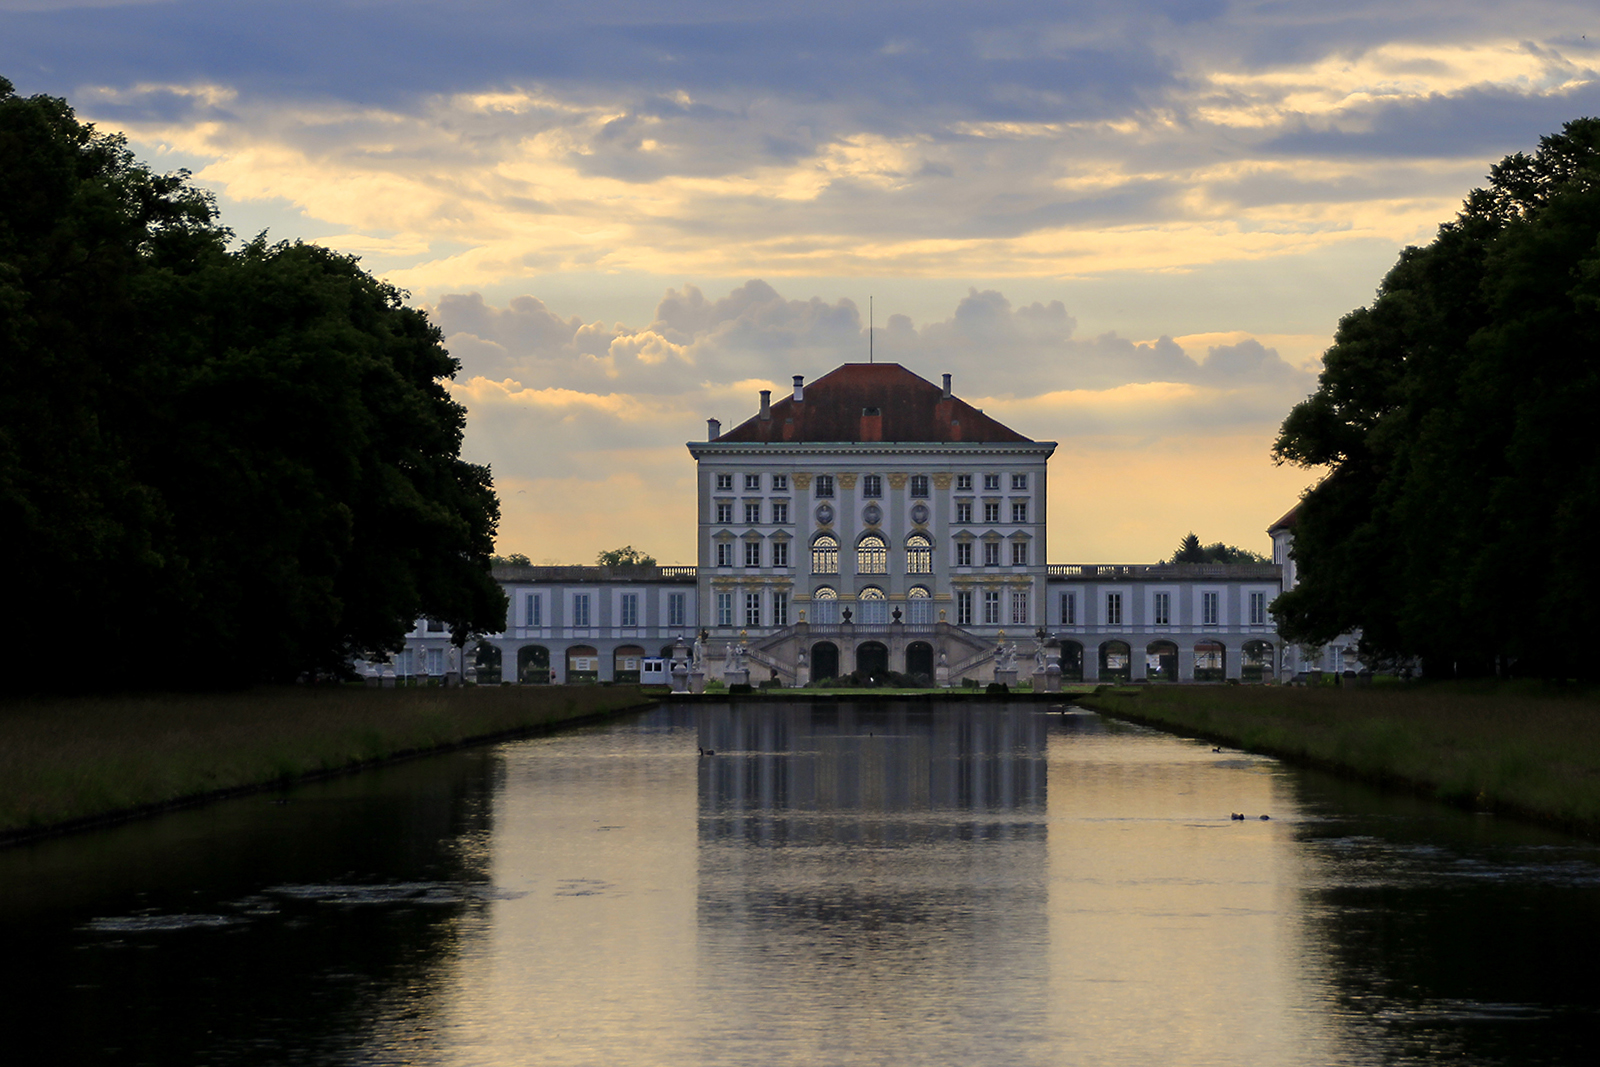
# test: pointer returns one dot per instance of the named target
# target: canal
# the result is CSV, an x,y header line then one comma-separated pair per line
x,y
838,884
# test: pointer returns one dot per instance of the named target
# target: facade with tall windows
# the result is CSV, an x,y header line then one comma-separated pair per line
x,y
873,521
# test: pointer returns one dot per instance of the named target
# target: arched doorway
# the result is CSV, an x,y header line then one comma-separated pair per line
x,y
486,661
1210,661
872,659
1116,662
824,661
533,665
1255,661
919,662
1071,661
583,664
1161,661
625,663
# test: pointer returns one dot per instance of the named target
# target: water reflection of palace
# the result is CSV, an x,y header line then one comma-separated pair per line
x,y
891,857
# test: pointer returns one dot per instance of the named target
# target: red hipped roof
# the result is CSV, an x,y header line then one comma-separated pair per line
x,y
872,402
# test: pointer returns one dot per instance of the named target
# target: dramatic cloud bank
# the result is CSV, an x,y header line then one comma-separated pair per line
x,y
595,416
1206,185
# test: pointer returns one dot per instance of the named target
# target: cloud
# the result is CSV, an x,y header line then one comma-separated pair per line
x,y
551,398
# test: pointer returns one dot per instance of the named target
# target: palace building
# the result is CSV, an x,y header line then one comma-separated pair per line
x,y
873,521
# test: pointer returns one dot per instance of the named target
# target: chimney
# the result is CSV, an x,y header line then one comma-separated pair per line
x,y
947,387
766,405
799,388
713,429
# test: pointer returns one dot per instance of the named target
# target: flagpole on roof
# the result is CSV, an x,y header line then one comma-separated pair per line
x,y
869,329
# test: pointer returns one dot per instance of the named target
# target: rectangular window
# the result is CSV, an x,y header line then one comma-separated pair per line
x,y
919,486
1208,609
963,553
991,512
1113,609
580,609
963,609
1019,607
824,485
724,483
991,553
752,513
780,609
435,661
1161,609
780,512
677,609
630,609
1069,609
535,610
724,553
780,553
1019,511
919,610
724,514
724,609
871,485
752,481
752,553
991,481
964,512
780,483
1019,481
825,612
1258,609
1019,553
752,609
964,483
991,608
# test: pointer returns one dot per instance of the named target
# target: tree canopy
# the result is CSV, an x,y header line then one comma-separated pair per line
x,y
1190,550
216,466
625,556
1458,517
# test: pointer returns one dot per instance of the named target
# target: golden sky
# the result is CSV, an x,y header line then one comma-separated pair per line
x,y
1127,227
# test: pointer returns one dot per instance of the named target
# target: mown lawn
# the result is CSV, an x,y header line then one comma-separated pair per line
x,y
65,760
1520,748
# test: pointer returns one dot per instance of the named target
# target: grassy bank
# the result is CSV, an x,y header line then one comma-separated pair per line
x,y
64,762
1516,748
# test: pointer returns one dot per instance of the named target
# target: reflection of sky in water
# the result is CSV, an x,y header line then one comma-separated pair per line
x,y
838,885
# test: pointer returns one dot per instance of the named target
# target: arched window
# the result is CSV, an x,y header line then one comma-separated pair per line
x,y
874,607
825,555
919,555
919,604
872,555
824,606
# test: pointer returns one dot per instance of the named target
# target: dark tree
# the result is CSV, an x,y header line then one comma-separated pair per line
x,y
625,556
1190,550
215,466
1457,521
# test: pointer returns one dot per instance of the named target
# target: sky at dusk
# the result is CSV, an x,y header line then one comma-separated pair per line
x,y
1128,227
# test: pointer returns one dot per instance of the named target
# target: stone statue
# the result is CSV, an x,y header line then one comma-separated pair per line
x,y
730,661
1038,658
801,662
698,657
741,655
454,662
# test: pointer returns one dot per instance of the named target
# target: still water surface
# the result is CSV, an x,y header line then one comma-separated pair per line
x,y
872,884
